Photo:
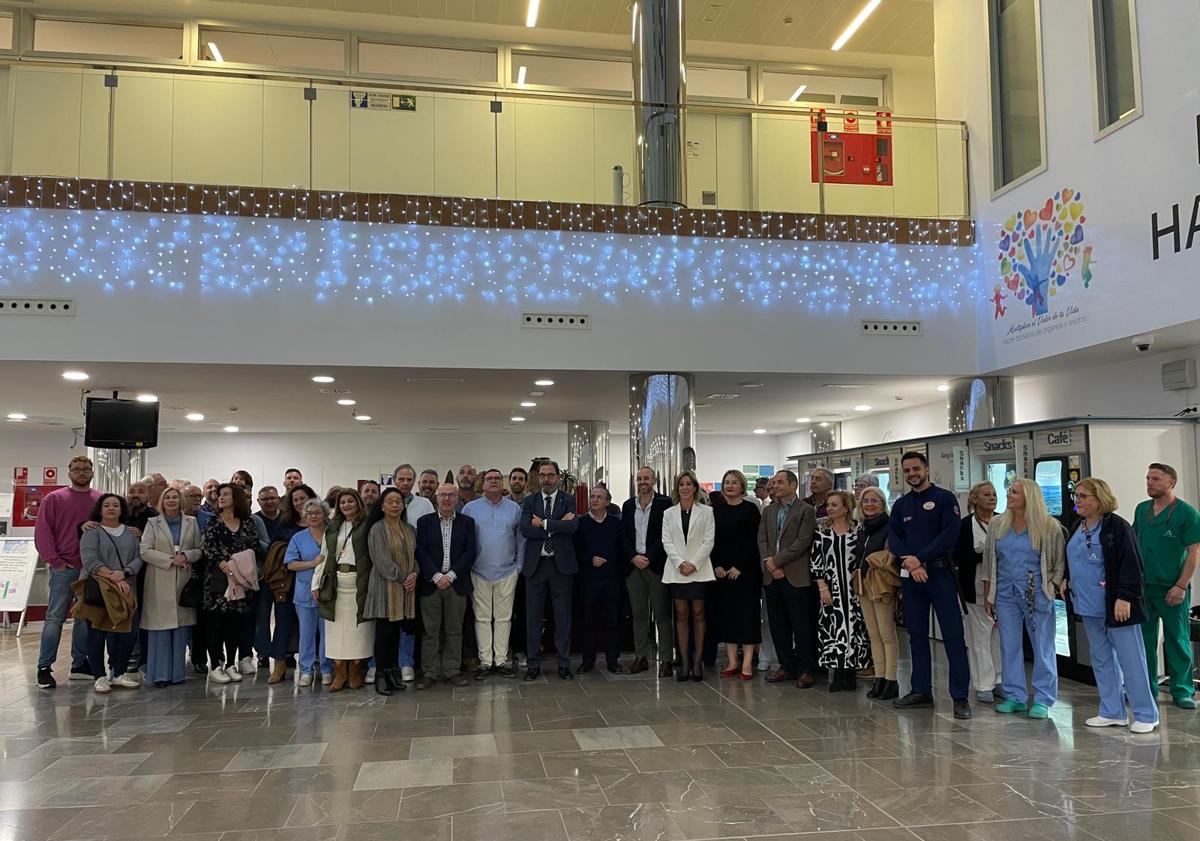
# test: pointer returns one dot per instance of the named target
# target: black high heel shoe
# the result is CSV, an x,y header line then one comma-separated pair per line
x,y
382,684
877,688
682,675
698,673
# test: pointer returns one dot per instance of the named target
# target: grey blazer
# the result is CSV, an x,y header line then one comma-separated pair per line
x,y
795,542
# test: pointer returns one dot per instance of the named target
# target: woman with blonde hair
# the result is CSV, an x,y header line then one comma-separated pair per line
x,y
1023,566
983,638
878,581
688,534
836,555
1105,577
170,546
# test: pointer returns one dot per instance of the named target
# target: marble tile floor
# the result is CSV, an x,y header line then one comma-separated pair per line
x,y
604,758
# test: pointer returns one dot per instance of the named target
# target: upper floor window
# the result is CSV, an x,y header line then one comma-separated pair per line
x,y
1115,59
412,61
1018,138
847,91
85,37
270,49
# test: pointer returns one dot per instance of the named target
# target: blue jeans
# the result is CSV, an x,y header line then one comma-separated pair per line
x,y
941,593
120,646
270,642
1013,612
408,650
309,624
60,581
1119,663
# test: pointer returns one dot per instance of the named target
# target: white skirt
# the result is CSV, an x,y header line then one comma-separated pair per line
x,y
346,639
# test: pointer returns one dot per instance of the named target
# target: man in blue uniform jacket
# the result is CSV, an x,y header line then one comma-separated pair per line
x,y
921,534
548,523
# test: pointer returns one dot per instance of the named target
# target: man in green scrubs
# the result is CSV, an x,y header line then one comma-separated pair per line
x,y
1168,532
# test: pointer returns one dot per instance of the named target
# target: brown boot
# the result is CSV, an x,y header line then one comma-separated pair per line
x,y
339,675
278,672
358,671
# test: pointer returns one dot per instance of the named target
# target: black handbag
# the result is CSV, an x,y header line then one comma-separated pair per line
x,y
189,596
92,595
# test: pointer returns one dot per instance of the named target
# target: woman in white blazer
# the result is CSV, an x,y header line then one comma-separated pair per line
x,y
688,534
170,545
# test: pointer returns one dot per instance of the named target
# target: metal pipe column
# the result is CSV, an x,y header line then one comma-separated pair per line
x,y
659,92
662,426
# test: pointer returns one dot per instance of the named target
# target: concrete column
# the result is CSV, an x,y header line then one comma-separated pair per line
x,y
662,426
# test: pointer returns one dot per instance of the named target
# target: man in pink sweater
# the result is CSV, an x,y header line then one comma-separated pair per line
x,y
56,536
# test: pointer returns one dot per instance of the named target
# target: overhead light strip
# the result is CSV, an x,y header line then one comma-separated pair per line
x,y
866,12
216,53
796,93
531,14
521,76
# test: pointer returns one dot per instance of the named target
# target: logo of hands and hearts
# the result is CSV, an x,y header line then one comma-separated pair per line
x,y
1039,251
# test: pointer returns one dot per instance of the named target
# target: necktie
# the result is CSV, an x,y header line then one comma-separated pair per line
x,y
547,544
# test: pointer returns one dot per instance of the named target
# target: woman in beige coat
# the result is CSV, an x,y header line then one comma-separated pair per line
x,y
170,545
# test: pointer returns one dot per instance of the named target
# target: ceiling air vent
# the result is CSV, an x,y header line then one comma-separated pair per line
x,y
722,396
556,321
37,306
890,328
334,390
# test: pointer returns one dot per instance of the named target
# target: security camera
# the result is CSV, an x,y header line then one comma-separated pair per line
x,y
1142,344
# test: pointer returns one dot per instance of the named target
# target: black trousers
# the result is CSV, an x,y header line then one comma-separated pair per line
x,y
789,615
548,581
387,645
223,632
601,599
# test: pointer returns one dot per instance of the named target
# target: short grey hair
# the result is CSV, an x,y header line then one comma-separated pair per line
x,y
316,503
405,466
867,480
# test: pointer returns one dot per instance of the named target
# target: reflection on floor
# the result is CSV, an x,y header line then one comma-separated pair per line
x,y
596,759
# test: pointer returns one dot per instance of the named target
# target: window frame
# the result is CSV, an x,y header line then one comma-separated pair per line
x,y
25,25
359,37
998,189
882,74
250,29
511,51
1099,94
725,64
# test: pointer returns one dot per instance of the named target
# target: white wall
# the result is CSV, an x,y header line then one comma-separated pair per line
x,y
915,422
1143,167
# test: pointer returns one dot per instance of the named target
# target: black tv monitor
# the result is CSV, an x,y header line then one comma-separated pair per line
x,y
112,424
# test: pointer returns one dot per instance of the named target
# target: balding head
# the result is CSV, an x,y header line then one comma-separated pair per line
x,y
446,497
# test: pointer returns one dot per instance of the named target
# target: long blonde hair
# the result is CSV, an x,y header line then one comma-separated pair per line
x,y
1041,526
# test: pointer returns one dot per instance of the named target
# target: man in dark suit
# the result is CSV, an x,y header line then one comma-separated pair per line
x,y
548,523
641,527
445,553
785,537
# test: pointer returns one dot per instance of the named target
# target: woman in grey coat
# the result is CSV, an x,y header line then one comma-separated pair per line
x,y
392,589
110,551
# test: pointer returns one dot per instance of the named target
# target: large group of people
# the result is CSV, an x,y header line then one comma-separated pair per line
x,y
419,582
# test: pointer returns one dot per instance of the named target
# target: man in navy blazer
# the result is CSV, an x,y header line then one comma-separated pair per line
x,y
641,525
548,523
445,553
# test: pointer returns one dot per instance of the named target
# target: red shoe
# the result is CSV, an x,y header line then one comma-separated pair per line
x,y
730,672
745,676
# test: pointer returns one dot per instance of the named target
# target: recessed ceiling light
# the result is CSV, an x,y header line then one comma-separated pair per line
x,y
750,385
543,383
862,407
943,387
346,401
517,419
194,416
322,378
231,429
362,417
722,396
17,416
866,12
74,376
527,404
537,394
760,432
803,420
531,14
825,424
703,405
147,398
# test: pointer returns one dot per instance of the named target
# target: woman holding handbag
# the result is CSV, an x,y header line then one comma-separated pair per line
x,y
392,588
877,583
170,546
339,586
230,532
110,552
841,631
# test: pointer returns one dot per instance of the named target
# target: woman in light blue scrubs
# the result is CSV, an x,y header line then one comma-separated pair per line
x,y
1104,573
1023,567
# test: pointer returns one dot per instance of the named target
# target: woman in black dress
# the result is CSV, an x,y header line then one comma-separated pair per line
x,y
738,587
231,531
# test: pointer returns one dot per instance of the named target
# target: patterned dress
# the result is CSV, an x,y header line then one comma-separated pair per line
x,y
841,632
220,544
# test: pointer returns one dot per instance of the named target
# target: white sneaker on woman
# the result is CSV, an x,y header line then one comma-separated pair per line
x,y
1143,727
102,686
1101,721
326,678
408,674
126,681
218,675
233,674
249,666
306,680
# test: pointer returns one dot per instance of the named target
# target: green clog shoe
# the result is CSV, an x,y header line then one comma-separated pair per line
x,y
1039,711
1008,705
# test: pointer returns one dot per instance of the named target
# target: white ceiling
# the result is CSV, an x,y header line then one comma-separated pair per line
x,y
283,399
898,27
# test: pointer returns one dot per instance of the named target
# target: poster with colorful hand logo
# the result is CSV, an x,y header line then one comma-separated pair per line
x,y
1044,260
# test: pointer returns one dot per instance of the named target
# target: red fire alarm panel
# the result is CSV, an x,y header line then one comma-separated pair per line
x,y
852,158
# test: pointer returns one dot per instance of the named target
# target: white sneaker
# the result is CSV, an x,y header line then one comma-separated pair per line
x,y
408,674
306,680
126,681
370,675
249,666
218,676
1143,727
326,678
102,686
1101,721
233,674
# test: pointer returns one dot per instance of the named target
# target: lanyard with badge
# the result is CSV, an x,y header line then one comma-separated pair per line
x,y
1088,534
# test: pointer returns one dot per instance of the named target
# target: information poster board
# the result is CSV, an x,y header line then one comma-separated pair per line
x,y
18,559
